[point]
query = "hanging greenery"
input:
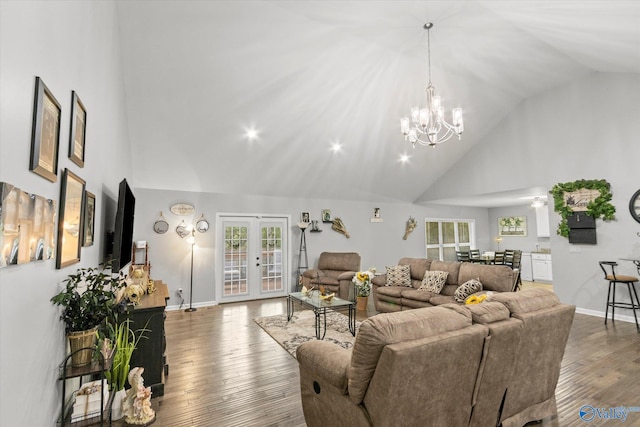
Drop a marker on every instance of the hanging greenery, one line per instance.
(600, 207)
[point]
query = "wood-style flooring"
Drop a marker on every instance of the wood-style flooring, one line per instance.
(226, 371)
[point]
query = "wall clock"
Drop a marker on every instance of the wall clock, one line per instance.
(182, 209)
(634, 206)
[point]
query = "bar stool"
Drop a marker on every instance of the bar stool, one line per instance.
(609, 269)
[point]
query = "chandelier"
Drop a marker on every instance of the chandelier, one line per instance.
(427, 126)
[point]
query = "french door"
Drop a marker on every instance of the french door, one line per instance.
(253, 261)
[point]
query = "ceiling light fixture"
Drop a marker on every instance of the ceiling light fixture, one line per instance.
(426, 124)
(537, 202)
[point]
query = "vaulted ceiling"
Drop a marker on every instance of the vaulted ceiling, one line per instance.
(309, 74)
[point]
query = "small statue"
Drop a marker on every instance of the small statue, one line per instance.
(136, 405)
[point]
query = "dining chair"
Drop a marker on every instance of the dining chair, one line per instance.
(508, 257)
(498, 258)
(474, 255)
(462, 256)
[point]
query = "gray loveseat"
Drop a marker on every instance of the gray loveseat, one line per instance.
(496, 278)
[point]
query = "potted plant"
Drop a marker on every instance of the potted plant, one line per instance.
(362, 281)
(124, 341)
(88, 298)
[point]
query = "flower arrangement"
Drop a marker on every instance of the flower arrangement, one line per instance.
(362, 281)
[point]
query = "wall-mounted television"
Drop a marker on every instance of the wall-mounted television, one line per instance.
(123, 228)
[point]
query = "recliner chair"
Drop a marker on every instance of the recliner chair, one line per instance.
(335, 271)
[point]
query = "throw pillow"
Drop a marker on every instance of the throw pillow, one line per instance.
(399, 275)
(467, 288)
(433, 281)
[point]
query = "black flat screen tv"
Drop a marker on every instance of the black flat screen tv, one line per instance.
(123, 228)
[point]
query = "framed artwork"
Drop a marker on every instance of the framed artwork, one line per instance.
(27, 222)
(88, 227)
(45, 134)
(304, 217)
(512, 226)
(10, 235)
(77, 131)
(70, 222)
(326, 215)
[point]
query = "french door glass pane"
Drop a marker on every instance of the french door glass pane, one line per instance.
(433, 253)
(235, 260)
(463, 233)
(271, 258)
(448, 233)
(449, 253)
(433, 238)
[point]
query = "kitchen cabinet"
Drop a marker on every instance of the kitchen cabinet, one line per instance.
(542, 221)
(541, 267)
(525, 267)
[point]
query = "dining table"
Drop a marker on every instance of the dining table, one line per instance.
(484, 259)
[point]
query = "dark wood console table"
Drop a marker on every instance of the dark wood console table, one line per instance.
(150, 353)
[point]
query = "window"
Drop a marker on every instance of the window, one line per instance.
(446, 236)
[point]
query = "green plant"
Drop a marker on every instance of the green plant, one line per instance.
(600, 207)
(89, 297)
(125, 341)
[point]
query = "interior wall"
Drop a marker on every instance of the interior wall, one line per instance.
(379, 244)
(585, 130)
(524, 243)
(71, 46)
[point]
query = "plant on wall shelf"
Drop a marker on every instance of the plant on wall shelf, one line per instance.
(600, 207)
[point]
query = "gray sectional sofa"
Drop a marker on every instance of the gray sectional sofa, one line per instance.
(494, 363)
(496, 278)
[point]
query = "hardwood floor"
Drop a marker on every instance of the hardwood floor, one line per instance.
(225, 371)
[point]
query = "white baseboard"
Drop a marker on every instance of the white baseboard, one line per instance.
(596, 313)
(196, 305)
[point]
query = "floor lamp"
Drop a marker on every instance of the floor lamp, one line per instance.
(193, 243)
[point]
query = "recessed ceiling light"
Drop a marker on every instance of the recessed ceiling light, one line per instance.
(336, 147)
(251, 133)
(404, 158)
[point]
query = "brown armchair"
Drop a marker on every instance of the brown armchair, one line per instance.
(335, 271)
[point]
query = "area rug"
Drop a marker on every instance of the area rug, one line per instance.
(290, 334)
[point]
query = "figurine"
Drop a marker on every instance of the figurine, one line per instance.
(136, 406)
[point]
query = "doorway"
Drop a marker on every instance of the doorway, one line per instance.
(253, 262)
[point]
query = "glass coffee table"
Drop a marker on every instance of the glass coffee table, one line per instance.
(320, 307)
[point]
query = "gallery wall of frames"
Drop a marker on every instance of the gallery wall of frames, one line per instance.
(28, 229)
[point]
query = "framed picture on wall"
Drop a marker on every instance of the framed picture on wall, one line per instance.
(512, 226)
(305, 217)
(89, 218)
(77, 130)
(70, 220)
(45, 134)
(326, 215)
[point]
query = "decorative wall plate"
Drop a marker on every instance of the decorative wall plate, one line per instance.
(161, 225)
(182, 231)
(202, 225)
(182, 209)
